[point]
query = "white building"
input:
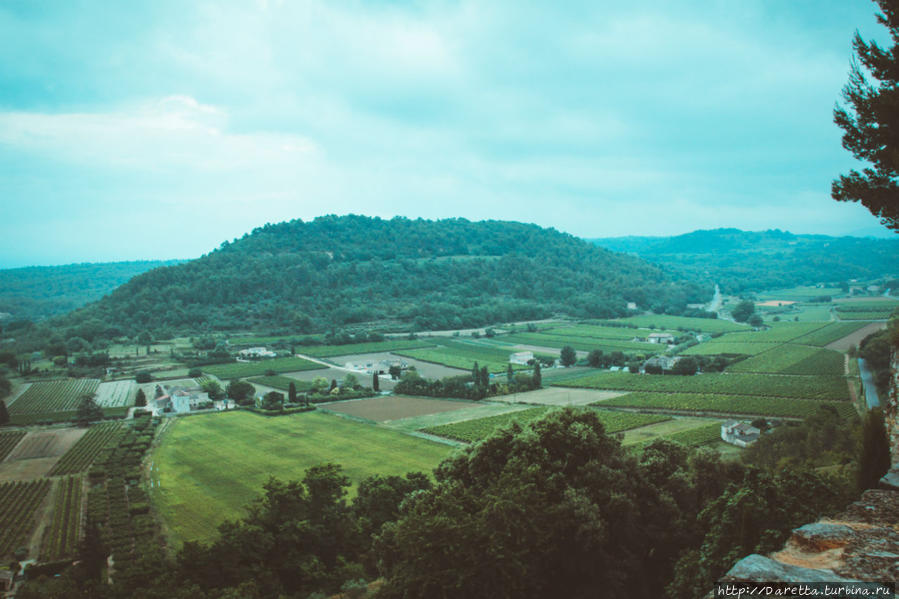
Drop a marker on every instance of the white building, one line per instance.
(522, 357)
(255, 353)
(661, 338)
(741, 434)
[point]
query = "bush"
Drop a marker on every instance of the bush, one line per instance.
(143, 377)
(194, 373)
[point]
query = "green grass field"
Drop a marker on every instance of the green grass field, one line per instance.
(585, 343)
(793, 359)
(281, 382)
(779, 332)
(832, 332)
(798, 294)
(209, 467)
(707, 325)
(236, 370)
(462, 354)
(722, 346)
(326, 351)
(687, 403)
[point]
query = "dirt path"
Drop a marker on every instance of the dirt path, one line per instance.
(855, 338)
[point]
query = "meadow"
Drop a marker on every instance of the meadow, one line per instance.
(665, 322)
(236, 370)
(207, 468)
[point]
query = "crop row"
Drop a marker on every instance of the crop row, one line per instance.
(236, 370)
(866, 315)
(694, 437)
(601, 332)
(53, 396)
(474, 430)
(19, 502)
(326, 351)
(463, 356)
(723, 346)
(80, 456)
(115, 394)
(802, 387)
(832, 332)
(66, 416)
(869, 306)
(780, 332)
(61, 537)
(581, 343)
(708, 325)
(793, 359)
(727, 404)
(281, 382)
(8, 440)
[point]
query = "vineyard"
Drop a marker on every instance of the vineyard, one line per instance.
(832, 332)
(471, 431)
(880, 315)
(582, 342)
(326, 351)
(793, 359)
(780, 332)
(19, 502)
(694, 437)
(683, 323)
(236, 370)
(726, 345)
(115, 394)
(458, 354)
(281, 382)
(53, 396)
(802, 387)
(9, 440)
(61, 536)
(82, 454)
(727, 404)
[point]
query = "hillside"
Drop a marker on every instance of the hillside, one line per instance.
(752, 261)
(338, 271)
(38, 292)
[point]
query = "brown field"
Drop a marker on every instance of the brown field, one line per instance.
(38, 452)
(395, 407)
(775, 303)
(855, 338)
(559, 396)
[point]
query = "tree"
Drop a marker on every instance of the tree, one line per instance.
(568, 357)
(143, 377)
(869, 122)
(375, 382)
(140, 400)
(510, 374)
(595, 358)
(755, 320)
(241, 391)
(213, 389)
(350, 381)
(4, 413)
(88, 410)
(686, 366)
(395, 371)
(292, 392)
(273, 400)
(874, 460)
(743, 310)
(538, 377)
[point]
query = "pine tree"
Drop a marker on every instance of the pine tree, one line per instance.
(140, 400)
(874, 460)
(375, 382)
(538, 376)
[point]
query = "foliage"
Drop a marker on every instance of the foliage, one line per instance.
(743, 310)
(726, 404)
(241, 392)
(61, 536)
(235, 370)
(140, 400)
(88, 411)
(874, 458)
(567, 357)
(54, 396)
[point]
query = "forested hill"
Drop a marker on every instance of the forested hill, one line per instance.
(338, 271)
(37, 292)
(752, 261)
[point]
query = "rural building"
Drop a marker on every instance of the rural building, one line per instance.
(662, 362)
(178, 400)
(631, 305)
(379, 366)
(256, 353)
(522, 357)
(661, 338)
(741, 434)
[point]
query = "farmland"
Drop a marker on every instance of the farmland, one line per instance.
(799, 294)
(81, 455)
(53, 396)
(726, 404)
(207, 468)
(326, 351)
(61, 536)
(281, 382)
(396, 407)
(463, 355)
(793, 359)
(691, 437)
(779, 332)
(722, 346)
(19, 502)
(828, 334)
(236, 370)
(8, 440)
(706, 325)
(116, 394)
(803, 387)
(474, 430)
(582, 342)
(872, 315)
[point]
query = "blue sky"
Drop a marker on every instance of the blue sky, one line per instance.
(133, 130)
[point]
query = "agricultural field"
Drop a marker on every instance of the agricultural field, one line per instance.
(53, 396)
(582, 342)
(779, 407)
(802, 387)
(793, 359)
(8, 440)
(799, 294)
(326, 351)
(237, 370)
(667, 429)
(832, 332)
(82, 454)
(61, 536)
(667, 323)
(281, 382)
(395, 407)
(208, 467)
(698, 436)
(471, 431)
(779, 332)
(463, 355)
(19, 503)
(808, 313)
(857, 315)
(557, 396)
(727, 346)
(116, 394)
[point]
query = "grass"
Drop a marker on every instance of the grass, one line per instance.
(802, 387)
(236, 370)
(706, 325)
(281, 382)
(722, 346)
(475, 412)
(207, 468)
(463, 355)
(326, 351)
(585, 343)
(799, 294)
(726, 404)
(793, 359)
(832, 332)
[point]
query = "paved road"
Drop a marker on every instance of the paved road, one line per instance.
(871, 397)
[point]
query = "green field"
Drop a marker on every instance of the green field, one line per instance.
(832, 332)
(281, 382)
(726, 404)
(802, 387)
(706, 325)
(474, 430)
(207, 468)
(236, 370)
(326, 351)
(779, 332)
(693, 437)
(722, 346)
(585, 343)
(793, 359)
(809, 313)
(883, 315)
(461, 354)
(798, 294)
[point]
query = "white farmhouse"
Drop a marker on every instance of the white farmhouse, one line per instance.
(741, 434)
(256, 353)
(522, 357)
(661, 338)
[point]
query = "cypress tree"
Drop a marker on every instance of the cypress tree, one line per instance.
(4, 414)
(874, 460)
(375, 383)
(140, 400)
(538, 377)
(292, 392)
(509, 373)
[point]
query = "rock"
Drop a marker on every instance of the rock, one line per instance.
(890, 480)
(822, 536)
(758, 568)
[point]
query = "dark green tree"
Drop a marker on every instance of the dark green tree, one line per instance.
(241, 391)
(92, 552)
(756, 320)
(510, 374)
(140, 400)
(742, 311)
(375, 382)
(568, 357)
(874, 459)
(292, 392)
(4, 413)
(538, 376)
(595, 358)
(88, 411)
(395, 371)
(869, 121)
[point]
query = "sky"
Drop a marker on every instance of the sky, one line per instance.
(159, 129)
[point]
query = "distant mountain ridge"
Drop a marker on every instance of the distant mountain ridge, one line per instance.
(39, 292)
(751, 261)
(337, 271)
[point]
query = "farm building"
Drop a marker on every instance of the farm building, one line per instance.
(256, 353)
(631, 305)
(178, 400)
(522, 357)
(661, 338)
(379, 366)
(741, 434)
(661, 363)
